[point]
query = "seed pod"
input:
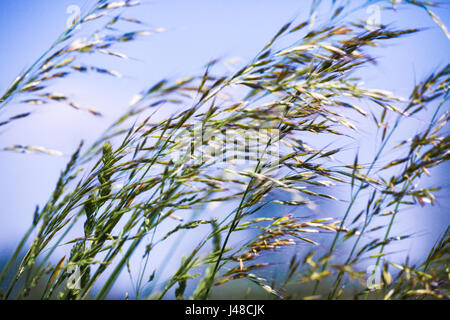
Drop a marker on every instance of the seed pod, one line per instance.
(103, 176)
(106, 190)
(85, 271)
(88, 227)
(107, 157)
(90, 206)
(77, 251)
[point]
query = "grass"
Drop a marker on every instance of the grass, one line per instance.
(240, 142)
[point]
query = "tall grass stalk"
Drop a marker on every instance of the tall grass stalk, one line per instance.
(243, 141)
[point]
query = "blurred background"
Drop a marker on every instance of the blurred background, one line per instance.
(195, 33)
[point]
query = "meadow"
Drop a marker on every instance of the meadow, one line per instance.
(255, 173)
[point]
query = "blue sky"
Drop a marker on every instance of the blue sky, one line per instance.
(196, 32)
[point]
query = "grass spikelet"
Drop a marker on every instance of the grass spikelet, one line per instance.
(239, 142)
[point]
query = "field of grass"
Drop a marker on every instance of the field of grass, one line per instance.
(227, 170)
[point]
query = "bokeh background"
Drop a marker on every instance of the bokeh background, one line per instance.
(196, 32)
